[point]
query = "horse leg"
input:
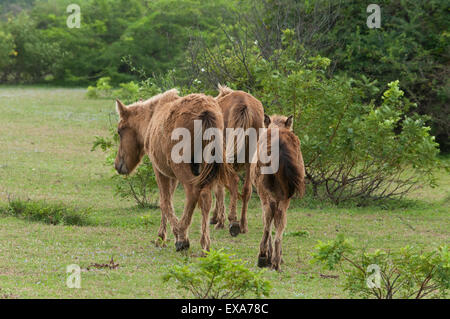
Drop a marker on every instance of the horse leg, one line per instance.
(235, 228)
(265, 247)
(246, 194)
(192, 195)
(269, 249)
(205, 205)
(280, 219)
(213, 220)
(162, 232)
(166, 187)
(218, 217)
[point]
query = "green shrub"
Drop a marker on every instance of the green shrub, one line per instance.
(35, 54)
(7, 51)
(412, 45)
(218, 276)
(103, 89)
(48, 213)
(404, 273)
(92, 92)
(140, 186)
(128, 91)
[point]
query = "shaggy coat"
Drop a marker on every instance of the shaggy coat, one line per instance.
(146, 128)
(276, 190)
(240, 110)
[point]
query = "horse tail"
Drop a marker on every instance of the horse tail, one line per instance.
(290, 177)
(240, 118)
(210, 170)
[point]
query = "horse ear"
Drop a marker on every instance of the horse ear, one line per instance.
(267, 120)
(120, 108)
(289, 121)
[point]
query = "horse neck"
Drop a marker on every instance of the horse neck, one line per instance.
(142, 119)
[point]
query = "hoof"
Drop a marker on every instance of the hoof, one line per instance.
(213, 221)
(235, 229)
(263, 262)
(182, 245)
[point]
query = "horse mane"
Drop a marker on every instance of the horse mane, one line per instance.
(162, 98)
(223, 90)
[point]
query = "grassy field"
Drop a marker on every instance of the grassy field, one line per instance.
(45, 139)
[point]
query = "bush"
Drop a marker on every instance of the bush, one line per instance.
(218, 276)
(128, 91)
(54, 214)
(103, 89)
(140, 186)
(7, 51)
(35, 54)
(411, 45)
(404, 273)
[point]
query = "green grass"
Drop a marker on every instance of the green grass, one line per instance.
(45, 139)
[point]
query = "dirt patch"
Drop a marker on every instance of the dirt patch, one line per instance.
(110, 265)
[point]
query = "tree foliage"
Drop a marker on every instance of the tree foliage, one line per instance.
(152, 34)
(412, 44)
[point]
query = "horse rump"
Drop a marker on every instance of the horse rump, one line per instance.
(209, 172)
(290, 177)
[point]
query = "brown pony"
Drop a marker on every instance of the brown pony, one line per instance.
(276, 190)
(240, 110)
(146, 128)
